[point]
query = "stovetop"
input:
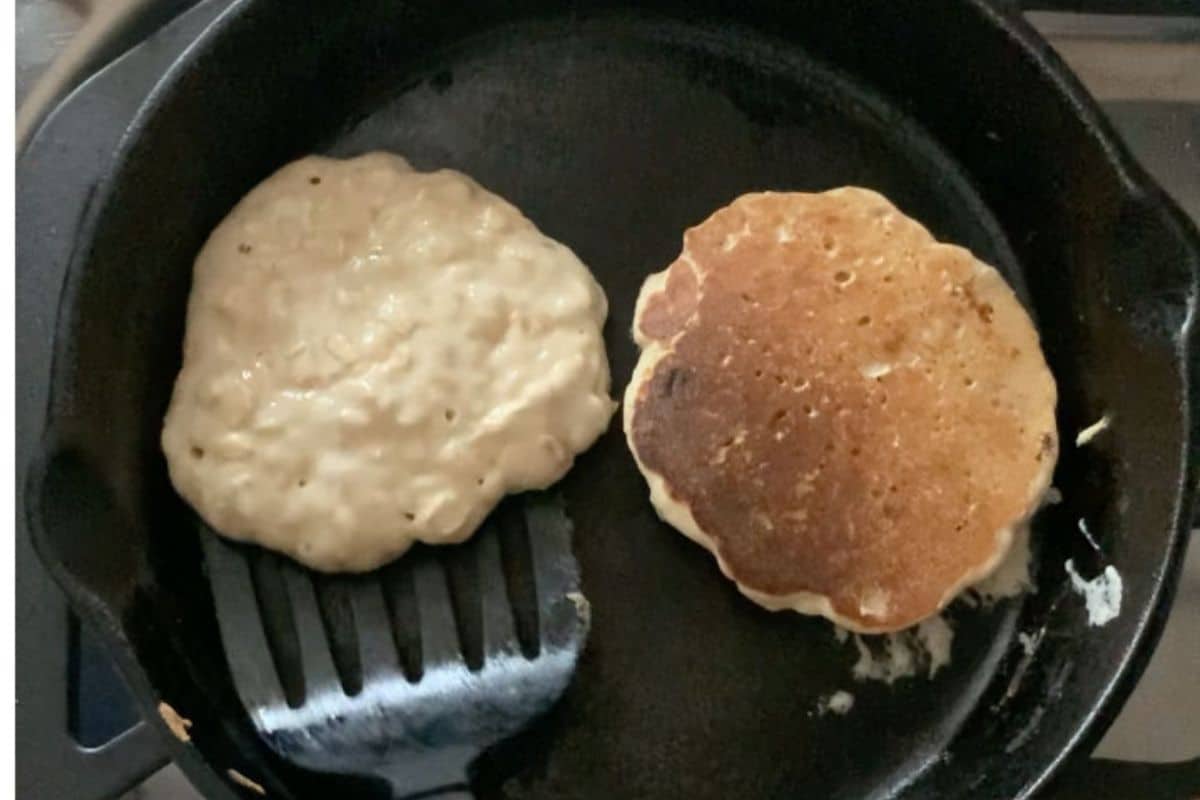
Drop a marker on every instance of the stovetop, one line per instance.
(1144, 70)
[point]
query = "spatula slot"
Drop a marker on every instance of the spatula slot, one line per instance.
(337, 615)
(462, 575)
(516, 557)
(275, 609)
(400, 599)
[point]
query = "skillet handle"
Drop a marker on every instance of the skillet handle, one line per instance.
(58, 165)
(110, 769)
(1155, 219)
(1086, 778)
(51, 763)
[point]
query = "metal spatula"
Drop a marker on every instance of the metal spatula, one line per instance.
(408, 673)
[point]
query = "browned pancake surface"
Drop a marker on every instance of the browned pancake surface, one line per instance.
(847, 407)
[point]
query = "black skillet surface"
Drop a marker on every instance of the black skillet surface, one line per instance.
(615, 130)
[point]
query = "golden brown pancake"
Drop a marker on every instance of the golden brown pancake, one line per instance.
(852, 416)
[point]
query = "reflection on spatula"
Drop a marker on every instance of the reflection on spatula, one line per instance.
(407, 673)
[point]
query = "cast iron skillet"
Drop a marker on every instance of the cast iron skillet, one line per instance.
(615, 129)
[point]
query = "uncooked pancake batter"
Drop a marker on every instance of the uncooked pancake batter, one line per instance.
(375, 356)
